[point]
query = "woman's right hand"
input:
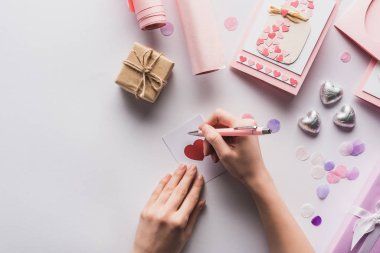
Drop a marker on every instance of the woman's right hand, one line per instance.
(241, 156)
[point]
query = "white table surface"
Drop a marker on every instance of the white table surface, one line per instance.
(79, 157)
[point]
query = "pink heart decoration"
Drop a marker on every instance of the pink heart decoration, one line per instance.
(280, 35)
(265, 52)
(310, 5)
(280, 58)
(267, 70)
(259, 66)
(271, 35)
(276, 42)
(277, 73)
(284, 12)
(250, 62)
(294, 4)
(293, 81)
(268, 42)
(277, 49)
(332, 178)
(259, 42)
(285, 28)
(267, 29)
(284, 78)
(275, 29)
(242, 58)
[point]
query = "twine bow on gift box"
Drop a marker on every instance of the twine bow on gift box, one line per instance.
(147, 76)
(368, 223)
(292, 15)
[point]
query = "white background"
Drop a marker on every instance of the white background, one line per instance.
(79, 157)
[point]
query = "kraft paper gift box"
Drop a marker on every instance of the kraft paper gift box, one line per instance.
(144, 73)
(360, 230)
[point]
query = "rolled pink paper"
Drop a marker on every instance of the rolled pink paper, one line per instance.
(368, 198)
(202, 37)
(150, 14)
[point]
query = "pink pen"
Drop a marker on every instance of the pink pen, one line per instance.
(237, 131)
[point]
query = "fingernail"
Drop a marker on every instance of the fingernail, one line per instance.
(181, 168)
(214, 157)
(202, 204)
(193, 169)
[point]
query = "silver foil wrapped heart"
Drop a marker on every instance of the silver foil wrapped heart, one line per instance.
(311, 123)
(330, 93)
(345, 118)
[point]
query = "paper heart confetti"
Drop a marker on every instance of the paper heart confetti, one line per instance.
(285, 28)
(280, 58)
(345, 118)
(275, 28)
(294, 4)
(259, 66)
(277, 49)
(284, 12)
(330, 93)
(310, 5)
(271, 35)
(276, 73)
(311, 123)
(195, 151)
(265, 52)
(242, 58)
(293, 81)
(259, 42)
(280, 35)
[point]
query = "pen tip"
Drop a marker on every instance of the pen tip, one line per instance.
(267, 131)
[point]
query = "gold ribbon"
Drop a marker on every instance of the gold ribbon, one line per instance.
(155, 81)
(292, 15)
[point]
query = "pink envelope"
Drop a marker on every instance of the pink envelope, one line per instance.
(361, 24)
(363, 95)
(293, 81)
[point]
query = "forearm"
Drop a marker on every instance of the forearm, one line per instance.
(282, 232)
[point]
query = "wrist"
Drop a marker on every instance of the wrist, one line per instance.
(260, 181)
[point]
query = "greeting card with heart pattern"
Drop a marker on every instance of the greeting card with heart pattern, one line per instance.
(188, 149)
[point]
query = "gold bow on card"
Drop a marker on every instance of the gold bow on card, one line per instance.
(292, 15)
(155, 81)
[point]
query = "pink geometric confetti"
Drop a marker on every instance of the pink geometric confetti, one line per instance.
(352, 173)
(167, 29)
(345, 57)
(332, 178)
(231, 23)
(340, 171)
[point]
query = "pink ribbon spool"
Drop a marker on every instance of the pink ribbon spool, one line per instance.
(150, 14)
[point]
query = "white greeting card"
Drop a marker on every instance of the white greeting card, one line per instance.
(288, 44)
(188, 149)
(372, 85)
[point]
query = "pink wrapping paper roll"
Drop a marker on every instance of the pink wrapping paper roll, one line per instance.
(150, 14)
(202, 38)
(368, 199)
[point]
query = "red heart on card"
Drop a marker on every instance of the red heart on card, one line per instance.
(259, 66)
(276, 73)
(280, 57)
(294, 4)
(275, 28)
(277, 49)
(293, 81)
(272, 35)
(284, 12)
(310, 5)
(266, 52)
(285, 28)
(243, 59)
(195, 151)
(259, 42)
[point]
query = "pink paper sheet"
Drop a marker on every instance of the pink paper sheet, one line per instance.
(202, 38)
(150, 14)
(367, 199)
(363, 95)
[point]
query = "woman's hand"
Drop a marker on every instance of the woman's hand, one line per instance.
(241, 156)
(168, 218)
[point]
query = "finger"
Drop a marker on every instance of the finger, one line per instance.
(247, 116)
(247, 122)
(221, 117)
(207, 148)
(194, 217)
(156, 193)
(180, 192)
(173, 182)
(214, 157)
(192, 198)
(216, 140)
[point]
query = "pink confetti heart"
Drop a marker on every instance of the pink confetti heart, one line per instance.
(267, 70)
(293, 82)
(280, 35)
(346, 57)
(259, 42)
(284, 12)
(242, 58)
(277, 49)
(280, 58)
(266, 52)
(267, 29)
(276, 73)
(271, 35)
(294, 4)
(268, 43)
(310, 5)
(259, 66)
(285, 28)
(275, 29)
(264, 36)
(284, 78)
(332, 178)
(340, 171)
(251, 62)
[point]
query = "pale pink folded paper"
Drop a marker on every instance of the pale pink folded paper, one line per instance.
(361, 24)
(362, 94)
(202, 37)
(150, 14)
